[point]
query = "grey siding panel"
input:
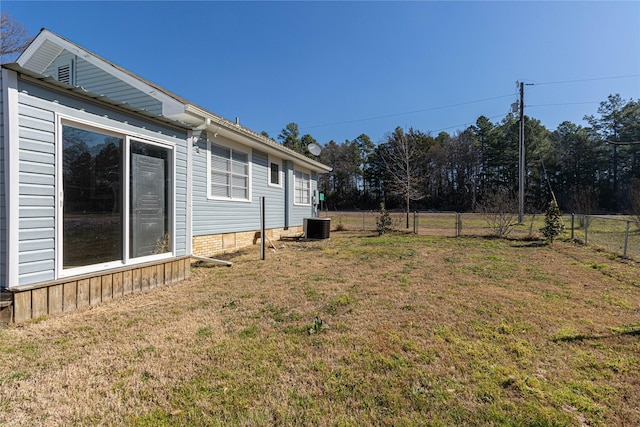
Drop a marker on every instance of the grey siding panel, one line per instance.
(35, 244)
(47, 201)
(32, 256)
(98, 81)
(45, 116)
(35, 134)
(36, 169)
(36, 124)
(47, 159)
(36, 178)
(36, 190)
(36, 233)
(36, 212)
(27, 278)
(44, 267)
(27, 223)
(37, 146)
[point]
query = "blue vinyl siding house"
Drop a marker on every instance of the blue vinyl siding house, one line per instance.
(109, 184)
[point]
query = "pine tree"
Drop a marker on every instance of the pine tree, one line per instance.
(383, 222)
(553, 225)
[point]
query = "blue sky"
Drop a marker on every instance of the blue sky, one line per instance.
(340, 69)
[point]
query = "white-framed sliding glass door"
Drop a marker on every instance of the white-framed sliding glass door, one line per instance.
(115, 198)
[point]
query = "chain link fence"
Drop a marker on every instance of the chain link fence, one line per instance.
(617, 234)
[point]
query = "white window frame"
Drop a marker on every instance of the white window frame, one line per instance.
(233, 147)
(127, 137)
(278, 162)
(303, 172)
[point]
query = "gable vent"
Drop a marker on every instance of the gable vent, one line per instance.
(65, 73)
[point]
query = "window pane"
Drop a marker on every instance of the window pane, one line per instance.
(241, 157)
(219, 190)
(240, 193)
(219, 164)
(240, 181)
(219, 151)
(150, 185)
(92, 184)
(275, 173)
(240, 168)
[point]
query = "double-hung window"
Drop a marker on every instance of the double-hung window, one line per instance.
(117, 197)
(302, 188)
(229, 173)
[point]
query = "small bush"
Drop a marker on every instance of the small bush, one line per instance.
(383, 222)
(341, 227)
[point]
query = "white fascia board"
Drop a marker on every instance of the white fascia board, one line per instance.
(247, 137)
(170, 105)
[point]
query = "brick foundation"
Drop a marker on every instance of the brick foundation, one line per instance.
(213, 244)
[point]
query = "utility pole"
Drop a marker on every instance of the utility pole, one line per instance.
(521, 159)
(521, 162)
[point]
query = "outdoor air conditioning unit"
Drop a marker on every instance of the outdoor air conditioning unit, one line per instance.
(317, 228)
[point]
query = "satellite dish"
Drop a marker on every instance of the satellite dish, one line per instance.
(314, 149)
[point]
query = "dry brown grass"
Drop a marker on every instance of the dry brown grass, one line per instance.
(415, 331)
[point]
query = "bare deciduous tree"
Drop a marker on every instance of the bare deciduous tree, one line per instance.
(402, 160)
(499, 209)
(14, 38)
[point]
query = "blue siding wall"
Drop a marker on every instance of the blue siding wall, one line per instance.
(98, 81)
(3, 205)
(299, 212)
(274, 196)
(215, 216)
(36, 191)
(37, 171)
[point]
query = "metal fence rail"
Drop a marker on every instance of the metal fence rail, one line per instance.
(617, 234)
(612, 233)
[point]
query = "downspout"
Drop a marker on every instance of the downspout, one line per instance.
(287, 197)
(212, 260)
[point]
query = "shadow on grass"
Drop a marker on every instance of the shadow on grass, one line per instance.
(582, 337)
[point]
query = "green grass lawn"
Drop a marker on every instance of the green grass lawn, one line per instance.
(354, 330)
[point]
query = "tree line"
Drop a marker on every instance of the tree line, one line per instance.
(587, 169)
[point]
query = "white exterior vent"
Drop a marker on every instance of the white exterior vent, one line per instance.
(65, 73)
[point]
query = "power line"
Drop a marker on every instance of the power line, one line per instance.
(587, 80)
(566, 103)
(404, 113)
(467, 124)
(384, 116)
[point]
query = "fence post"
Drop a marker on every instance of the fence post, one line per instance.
(458, 224)
(586, 229)
(415, 222)
(626, 240)
(363, 229)
(573, 221)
